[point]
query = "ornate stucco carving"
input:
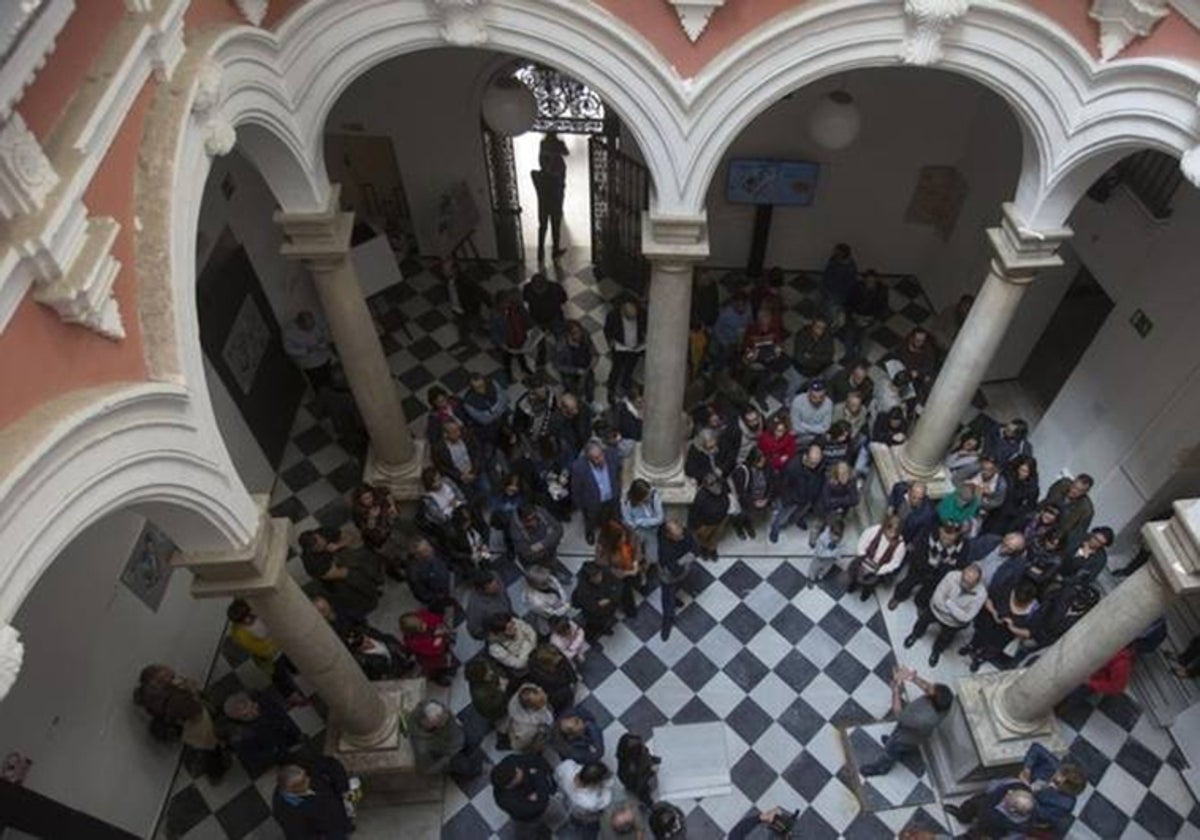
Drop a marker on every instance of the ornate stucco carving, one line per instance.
(26, 174)
(219, 134)
(463, 22)
(694, 15)
(12, 652)
(1123, 20)
(928, 21)
(252, 10)
(1189, 164)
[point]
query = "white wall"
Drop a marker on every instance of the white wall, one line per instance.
(248, 213)
(427, 104)
(1127, 414)
(911, 118)
(86, 638)
(248, 459)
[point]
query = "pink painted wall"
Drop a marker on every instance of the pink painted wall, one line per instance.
(657, 21)
(40, 356)
(203, 13)
(78, 45)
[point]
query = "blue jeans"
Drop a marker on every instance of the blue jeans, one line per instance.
(785, 514)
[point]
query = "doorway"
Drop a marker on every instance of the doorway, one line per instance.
(577, 205)
(1070, 332)
(365, 166)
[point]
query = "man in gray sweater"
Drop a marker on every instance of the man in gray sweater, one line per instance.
(915, 721)
(954, 604)
(812, 413)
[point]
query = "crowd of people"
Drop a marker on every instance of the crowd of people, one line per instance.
(1001, 564)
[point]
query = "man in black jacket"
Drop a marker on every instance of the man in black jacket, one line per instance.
(799, 488)
(676, 553)
(309, 801)
(429, 577)
(351, 578)
(523, 786)
(598, 596)
(625, 331)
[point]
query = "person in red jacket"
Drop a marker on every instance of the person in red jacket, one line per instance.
(1113, 678)
(777, 443)
(426, 636)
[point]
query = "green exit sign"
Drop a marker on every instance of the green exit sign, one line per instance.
(1141, 323)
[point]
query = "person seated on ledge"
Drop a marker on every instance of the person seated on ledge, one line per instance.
(915, 721)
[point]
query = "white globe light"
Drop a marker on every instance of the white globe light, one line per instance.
(509, 107)
(835, 122)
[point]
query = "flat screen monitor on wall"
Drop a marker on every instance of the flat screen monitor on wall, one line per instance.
(784, 182)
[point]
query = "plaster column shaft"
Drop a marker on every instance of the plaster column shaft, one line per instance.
(1018, 254)
(322, 242)
(667, 325)
(963, 371)
(259, 574)
(1121, 617)
(320, 656)
(363, 359)
(673, 244)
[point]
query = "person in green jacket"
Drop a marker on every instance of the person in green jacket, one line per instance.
(960, 507)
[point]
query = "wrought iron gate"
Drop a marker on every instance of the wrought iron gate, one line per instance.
(506, 201)
(620, 192)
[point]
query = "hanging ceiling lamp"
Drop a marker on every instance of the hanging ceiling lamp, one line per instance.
(835, 122)
(509, 107)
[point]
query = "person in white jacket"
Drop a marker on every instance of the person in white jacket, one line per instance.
(587, 788)
(881, 551)
(955, 603)
(544, 597)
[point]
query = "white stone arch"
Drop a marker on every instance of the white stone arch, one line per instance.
(322, 48)
(93, 453)
(1070, 108)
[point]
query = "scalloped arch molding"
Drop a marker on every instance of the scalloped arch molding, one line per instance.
(276, 88)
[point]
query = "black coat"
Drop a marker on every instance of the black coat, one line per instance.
(322, 815)
(587, 595)
(799, 484)
(537, 781)
(708, 508)
(429, 580)
(615, 333)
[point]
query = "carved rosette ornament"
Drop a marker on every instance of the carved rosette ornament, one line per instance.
(219, 134)
(26, 174)
(12, 652)
(928, 21)
(1123, 20)
(463, 22)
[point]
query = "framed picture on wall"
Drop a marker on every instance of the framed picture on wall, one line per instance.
(247, 344)
(148, 569)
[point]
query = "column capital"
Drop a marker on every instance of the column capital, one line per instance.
(1020, 252)
(674, 238)
(1175, 544)
(249, 570)
(318, 238)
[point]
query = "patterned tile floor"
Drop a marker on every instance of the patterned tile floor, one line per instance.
(787, 668)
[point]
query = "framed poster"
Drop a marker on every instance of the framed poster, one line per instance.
(148, 569)
(246, 344)
(781, 182)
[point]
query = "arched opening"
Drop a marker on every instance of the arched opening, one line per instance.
(107, 605)
(1128, 389)
(927, 171)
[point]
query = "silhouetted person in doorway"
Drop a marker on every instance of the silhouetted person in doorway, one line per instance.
(550, 181)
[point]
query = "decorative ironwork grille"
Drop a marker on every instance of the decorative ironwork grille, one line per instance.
(506, 199)
(564, 104)
(620, 192)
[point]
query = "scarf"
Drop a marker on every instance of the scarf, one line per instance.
(869, 560)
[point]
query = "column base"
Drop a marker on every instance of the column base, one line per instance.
(403, 480)
(977, 743)
(673, 485)
(892, 467)
(386, 764)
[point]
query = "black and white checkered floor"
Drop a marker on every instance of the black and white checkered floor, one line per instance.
(786, 668)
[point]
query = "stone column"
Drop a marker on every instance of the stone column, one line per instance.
(322, 242)
(673, 244)
(1018, 254)
(366, 716)
(999, 715)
